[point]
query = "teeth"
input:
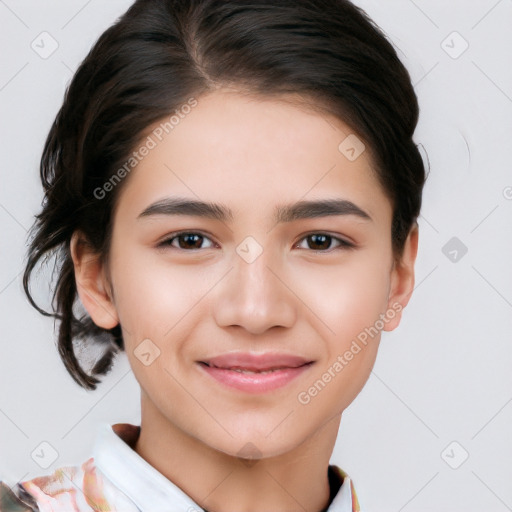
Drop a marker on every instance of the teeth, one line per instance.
(239, 370)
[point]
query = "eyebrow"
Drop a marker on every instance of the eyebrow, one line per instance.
(282, 213)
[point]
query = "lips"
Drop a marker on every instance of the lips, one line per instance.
(254, 373)
(256, 363)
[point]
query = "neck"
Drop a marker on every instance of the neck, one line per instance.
(216, 481)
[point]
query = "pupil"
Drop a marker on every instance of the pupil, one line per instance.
(189, 240)
(323, 238)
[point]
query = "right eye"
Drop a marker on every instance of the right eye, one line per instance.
(186, 240)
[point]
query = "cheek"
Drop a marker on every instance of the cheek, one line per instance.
(347, 297)
(354, 298)
(152, 294)
(335, 386)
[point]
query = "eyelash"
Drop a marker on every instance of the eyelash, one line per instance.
(343, 244)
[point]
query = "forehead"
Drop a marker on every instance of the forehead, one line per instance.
(248, 151)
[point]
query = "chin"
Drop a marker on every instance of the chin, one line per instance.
(250, 446)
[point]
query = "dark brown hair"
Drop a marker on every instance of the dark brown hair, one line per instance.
(162, 52)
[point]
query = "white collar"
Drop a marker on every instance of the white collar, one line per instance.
(151, 491)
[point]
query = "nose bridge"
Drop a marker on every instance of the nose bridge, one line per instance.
(254, 295)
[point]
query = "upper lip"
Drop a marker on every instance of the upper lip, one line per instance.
(256, 362)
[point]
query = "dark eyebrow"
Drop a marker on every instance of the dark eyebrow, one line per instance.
(282, 213)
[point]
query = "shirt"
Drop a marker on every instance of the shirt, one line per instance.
(117, 478)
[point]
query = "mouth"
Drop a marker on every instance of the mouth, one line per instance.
(247, 370)
(255, 373)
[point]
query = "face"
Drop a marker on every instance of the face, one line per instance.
(241, 325)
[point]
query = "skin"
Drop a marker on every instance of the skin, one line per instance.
(250, 154)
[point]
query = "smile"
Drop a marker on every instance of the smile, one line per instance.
(255, 373)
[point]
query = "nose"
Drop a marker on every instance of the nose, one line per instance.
(255, 295)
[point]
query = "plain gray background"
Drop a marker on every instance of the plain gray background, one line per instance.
(431, 431)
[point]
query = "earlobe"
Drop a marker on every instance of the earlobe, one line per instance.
(92, 284)
(402, 280)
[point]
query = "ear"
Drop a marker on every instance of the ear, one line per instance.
(92, 284)
(402, 279)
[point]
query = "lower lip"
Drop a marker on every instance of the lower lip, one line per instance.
(255, 382)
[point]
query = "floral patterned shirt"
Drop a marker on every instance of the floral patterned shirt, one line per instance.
(116, 478)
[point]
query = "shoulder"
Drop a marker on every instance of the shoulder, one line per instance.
(67, 489)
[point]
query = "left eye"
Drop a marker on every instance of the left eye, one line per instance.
(323, 241)
(193, 240)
